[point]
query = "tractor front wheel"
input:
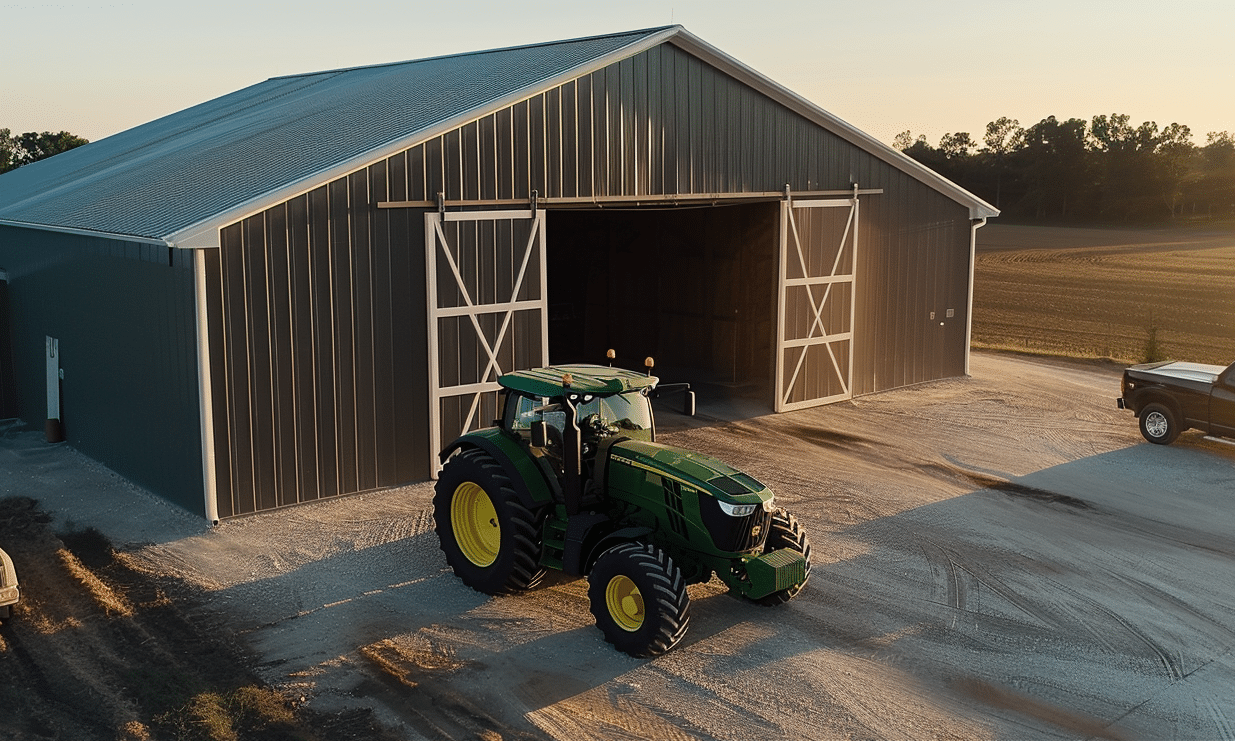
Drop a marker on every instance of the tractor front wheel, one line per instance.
(785, 532)
(490, 539)
(639, 599)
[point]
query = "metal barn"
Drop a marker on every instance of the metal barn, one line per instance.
(302, 289)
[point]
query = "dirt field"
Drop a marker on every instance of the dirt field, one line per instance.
(1101, 292)
(998, 557)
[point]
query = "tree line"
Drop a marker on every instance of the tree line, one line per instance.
(33, 146)
(1101, 170)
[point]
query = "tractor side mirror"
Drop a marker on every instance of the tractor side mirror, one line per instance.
(688, 403)
(540, 434)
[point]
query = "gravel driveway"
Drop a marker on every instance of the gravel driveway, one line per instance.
(994, 557)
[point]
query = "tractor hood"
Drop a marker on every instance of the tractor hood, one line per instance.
(702, 472)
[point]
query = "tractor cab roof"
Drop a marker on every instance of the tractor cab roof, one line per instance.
(597, 380)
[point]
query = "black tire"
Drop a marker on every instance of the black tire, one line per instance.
(498, 550)
(1158, 424)
(785, 532)
(639, 599)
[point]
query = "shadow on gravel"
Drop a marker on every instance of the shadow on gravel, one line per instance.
(1082, 618)
(99, 649)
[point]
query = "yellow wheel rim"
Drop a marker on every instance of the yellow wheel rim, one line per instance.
(474, 521)
(625, 603)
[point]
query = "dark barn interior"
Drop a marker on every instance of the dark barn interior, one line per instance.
(694, 287)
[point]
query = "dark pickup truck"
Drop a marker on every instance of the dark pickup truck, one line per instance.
(1169, 398)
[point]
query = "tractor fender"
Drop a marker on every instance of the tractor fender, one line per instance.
(617, 537)
(525, 476)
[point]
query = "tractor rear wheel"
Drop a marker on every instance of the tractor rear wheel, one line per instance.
(639, 599)
(490, 539)
(785, 532)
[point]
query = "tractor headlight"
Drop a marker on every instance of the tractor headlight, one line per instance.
(734, 528)
(736, 510)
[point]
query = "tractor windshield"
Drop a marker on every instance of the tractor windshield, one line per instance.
(629, 412)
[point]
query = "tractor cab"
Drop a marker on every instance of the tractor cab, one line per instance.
(606, 401)
(549, 407)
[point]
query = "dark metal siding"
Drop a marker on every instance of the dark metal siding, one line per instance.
(659, 123)
(318, 331)
(8, 379)
(317, 348)
(913, 259)
(124, 315)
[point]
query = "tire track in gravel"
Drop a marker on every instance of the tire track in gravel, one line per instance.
(1173, 605)
(1065, 616)
(1226, 730)
(1172, 665)
(382, 530)
(957, 593)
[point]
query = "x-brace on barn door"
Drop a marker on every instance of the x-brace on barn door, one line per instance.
(487, 315)
(814, 357)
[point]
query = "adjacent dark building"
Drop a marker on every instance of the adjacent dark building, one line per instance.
(301, 289)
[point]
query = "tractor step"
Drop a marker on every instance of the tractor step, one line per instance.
(554, 540)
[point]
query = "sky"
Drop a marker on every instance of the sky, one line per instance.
(884, 66)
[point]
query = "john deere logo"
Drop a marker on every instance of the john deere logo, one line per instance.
(754, 531)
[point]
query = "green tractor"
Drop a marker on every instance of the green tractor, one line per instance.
(571, 478)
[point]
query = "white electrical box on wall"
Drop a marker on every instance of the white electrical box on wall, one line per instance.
(54, 430)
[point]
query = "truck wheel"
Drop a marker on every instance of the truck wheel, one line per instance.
(490, 539)
(639, 599)
(785, 532)
(1158, 424)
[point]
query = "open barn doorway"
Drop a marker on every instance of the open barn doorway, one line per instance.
(694, 287)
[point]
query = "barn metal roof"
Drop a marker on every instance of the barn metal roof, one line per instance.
(177, 179)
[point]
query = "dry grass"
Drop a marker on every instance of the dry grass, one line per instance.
(410, 660)
(245, 712)
(1128, 295)
(103, 595)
